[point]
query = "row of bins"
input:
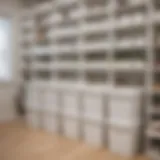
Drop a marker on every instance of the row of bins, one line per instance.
(111, 118)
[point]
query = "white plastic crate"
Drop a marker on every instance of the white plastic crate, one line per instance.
(37, 99)
(71, 104)
(65, 32)
(33, 99)
(28, 24)
(33, 119)
(51, 101)
(43, 7)
(50, 122)
(125, 105)
(93, 106)
(129, 65)
(71, 128)
(96, 27)
(123, 139)
(130, 21)
(93, 134)
(128, 43)
(28, 99)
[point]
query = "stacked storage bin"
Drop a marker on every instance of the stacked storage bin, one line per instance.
(51, 110)
(93, 118)
(66, 35)
(153, 130)
(124, 120)
(33, 103)
(71, 113)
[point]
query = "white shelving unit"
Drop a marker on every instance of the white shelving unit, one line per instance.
(79, 50)
(153, 117)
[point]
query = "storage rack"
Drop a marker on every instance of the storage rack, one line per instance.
(27, 34)
(91, 45)
(26, 41)
(153, 111)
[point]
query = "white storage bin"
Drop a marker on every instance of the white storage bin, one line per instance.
(33, 119)
(129, 65)
(125, 105)
(37, 99)
(28, 100)
(137, 2)
(93, 134)
(28, 24)
(43, 7)
(123, 139)
(71, 127)
(51, 122)
(33, 99)
(71, 104)
(51, 101)
(93, 106)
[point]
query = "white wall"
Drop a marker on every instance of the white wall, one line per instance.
(10, 8)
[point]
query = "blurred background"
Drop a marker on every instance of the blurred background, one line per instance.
(80, 79)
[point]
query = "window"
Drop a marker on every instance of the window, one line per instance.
(5, 50)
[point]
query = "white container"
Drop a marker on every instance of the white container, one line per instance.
(43, 7)
(93, 106)
(32, 99)
(56, 18)
(50, 122)
(28, 24)
(96, 27)
(125, 105)
(33, 119)
(71, 104)
(71, 128)
(137, 2)
(129, 65)
(51, 101)
(29, 37)
(123, 139)
(37, 99)
(93, 134)
(92, 46)
(65, 32)
(27, 100)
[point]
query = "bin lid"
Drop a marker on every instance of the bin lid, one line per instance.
(124, 124)
(126, 91)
